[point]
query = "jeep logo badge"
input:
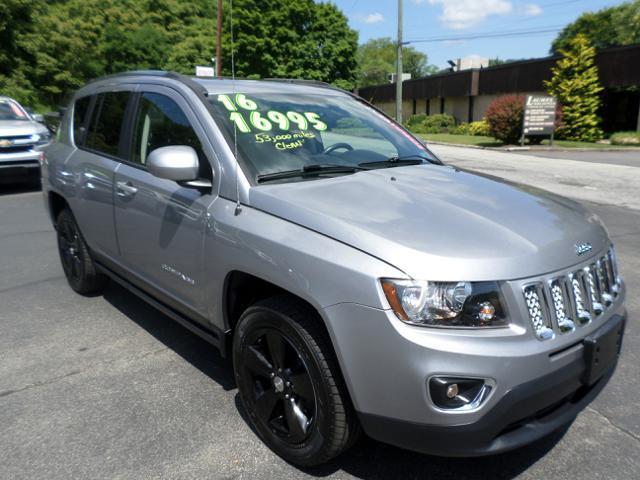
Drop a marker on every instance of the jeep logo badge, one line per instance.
(582, 248)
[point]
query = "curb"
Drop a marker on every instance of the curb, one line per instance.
(529, 149)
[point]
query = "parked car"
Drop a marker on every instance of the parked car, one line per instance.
(358, 282)
(21, 141)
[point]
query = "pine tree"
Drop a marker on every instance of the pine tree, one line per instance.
(576, 85)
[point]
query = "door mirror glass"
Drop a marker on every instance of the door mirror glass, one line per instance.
(178, 163)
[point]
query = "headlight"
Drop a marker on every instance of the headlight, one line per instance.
(41, 138)
(446, 304)
(45, 138)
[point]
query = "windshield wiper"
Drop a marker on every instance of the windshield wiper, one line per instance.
(400, 161)
(310, 170)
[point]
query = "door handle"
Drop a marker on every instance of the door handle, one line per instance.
(125, 189)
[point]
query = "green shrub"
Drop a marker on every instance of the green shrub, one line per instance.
(625, 138)
(440, 123)
(415, 120)
(504, 116)
(479, 129)
(461, 129)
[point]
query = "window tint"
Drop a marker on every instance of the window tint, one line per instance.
(79, 113)
(160, 122)
(108, 116)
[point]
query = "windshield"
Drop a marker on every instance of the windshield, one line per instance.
(10, 110)
(279, 132)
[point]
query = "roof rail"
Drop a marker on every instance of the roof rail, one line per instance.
(299, 81)
(139, 73)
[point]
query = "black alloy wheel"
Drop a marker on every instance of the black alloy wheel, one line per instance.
(69, 248)
(290, 383)
(76, 260)
(281, 388)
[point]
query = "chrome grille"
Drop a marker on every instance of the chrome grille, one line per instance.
(533, 296)
(565, 301)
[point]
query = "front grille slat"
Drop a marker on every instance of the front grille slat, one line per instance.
(538, 313)
(594, 292)
(561, 305)
(571, 300)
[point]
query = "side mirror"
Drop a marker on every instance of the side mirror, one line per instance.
(178, 163)
(38, 117)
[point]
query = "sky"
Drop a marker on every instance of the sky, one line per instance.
(448, 20)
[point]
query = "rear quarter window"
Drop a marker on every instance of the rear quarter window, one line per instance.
(80, 109)
(106, 122)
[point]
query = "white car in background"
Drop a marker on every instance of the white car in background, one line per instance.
(22, 138)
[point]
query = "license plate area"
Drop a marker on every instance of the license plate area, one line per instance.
(601, 349)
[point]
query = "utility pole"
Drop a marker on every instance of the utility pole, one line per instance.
(399, 66)
(219, 41)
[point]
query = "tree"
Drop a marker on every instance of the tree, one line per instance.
(49, 48)
(612, 26)
(291, 39)
(377, 59)
(17, 19)
(576, 85)
(73, 41)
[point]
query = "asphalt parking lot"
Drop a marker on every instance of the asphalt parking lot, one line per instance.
(108, 387)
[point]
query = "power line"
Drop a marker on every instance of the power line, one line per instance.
(476, 36)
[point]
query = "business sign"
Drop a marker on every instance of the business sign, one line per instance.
(205, 71)
(539, 115)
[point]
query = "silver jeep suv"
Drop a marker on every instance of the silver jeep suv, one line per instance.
(21, 140)
(358, 283)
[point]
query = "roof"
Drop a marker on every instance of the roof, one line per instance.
(225, 85)
(301, 87)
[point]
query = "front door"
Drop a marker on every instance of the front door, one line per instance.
(160, 225)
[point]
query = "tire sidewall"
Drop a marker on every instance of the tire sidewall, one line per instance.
(66, 217)
(262, 317)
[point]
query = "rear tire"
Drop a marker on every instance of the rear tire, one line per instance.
(290, 384)
(76, 260)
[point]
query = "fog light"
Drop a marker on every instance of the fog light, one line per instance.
(453, 393)
(452, 390)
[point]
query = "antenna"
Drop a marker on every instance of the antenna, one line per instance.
(235, 129)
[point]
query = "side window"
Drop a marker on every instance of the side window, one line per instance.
(79, 114)
(106, 123)
(160, 122)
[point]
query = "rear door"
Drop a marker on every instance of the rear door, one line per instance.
(89, 172)
(161, 225)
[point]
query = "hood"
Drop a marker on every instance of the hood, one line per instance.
(440, 223)
(14, 128)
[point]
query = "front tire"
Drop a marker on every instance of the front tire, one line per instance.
(290, 384)
(76, 260)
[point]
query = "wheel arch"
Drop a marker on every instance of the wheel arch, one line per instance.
(242, 289)
(57, 203)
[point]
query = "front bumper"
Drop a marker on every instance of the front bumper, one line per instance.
(386, 364)
(19, 166)
(523, 415)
